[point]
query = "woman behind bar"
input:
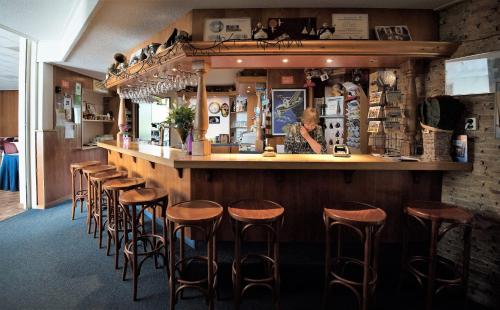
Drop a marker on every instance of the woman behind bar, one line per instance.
(306, 137)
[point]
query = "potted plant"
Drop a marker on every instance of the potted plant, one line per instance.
(181, 117)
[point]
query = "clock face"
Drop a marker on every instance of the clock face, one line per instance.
(214, 107)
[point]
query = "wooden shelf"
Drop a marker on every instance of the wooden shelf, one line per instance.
(97, 121)
(305, 54)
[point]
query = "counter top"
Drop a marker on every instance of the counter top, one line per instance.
(177, 159)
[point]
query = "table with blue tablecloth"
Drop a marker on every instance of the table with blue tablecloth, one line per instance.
(9, 173)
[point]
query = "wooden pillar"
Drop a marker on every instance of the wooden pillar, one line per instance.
(201, 146)
(410, 104)
(122, 120)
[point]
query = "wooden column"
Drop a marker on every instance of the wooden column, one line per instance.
(122, 120)
(201, 146)
(410, 104)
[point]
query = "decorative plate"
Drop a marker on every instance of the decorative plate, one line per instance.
(214, 107)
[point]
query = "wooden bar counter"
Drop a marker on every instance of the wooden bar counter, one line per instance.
(303, 184)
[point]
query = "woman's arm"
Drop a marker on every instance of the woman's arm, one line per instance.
(315, 146)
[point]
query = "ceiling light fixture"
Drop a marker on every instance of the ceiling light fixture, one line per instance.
(174, 69)
(239, 60)
(285, 60)
(329, 60)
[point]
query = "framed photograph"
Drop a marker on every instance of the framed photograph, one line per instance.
(334, 106)
(350, 26)
(220, 29)
(393, 33)
(287, 107)
(214, 119)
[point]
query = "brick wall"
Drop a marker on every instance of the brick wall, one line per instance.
(475, 23)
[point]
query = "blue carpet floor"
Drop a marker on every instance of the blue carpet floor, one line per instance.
(49, 262)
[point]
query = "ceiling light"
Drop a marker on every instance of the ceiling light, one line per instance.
(249, 86)
(329, 60)
(285, 60)
(174, 69)
(239, 60)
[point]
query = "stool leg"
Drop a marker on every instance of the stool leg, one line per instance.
(432, 263)
(366, 267)
(327, 262)
(117, 226)
(89, 204)
(171, 261)
(73, 195)
(99, 193)
(134, 253)
(466, 259)
(210, 281)
(125, 241)
(81, 190)
(277, 282)
(237, 265)
(111, 220)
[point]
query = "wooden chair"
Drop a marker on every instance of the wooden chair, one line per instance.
(114, 223)
(268, 215)
(202, 216)
(365, 221)
(134, 203)
(431, 215)
(79, 195)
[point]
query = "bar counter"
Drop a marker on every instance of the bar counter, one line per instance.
(303, 184)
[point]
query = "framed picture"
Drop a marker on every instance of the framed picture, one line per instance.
(220, 29)
(393, 33)
(350, 26)
(334, 105)
(287, 107)
(214, 119)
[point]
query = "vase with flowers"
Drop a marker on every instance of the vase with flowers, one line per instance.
(181, 118)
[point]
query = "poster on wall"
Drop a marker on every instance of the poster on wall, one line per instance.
(288, 105)
(350, 26)
(393, 33)
(220, 29)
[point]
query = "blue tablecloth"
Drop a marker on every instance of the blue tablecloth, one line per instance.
(9, 173)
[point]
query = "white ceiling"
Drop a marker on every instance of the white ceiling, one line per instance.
(118, 25)
(9, 60)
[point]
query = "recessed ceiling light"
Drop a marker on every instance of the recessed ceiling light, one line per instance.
(329, 60)
(174, 69)
(249, 87)
(285, 60)
(239, 60)
(248, 91)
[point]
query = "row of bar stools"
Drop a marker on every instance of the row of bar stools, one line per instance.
(367, 222)
(79, 195)
(431, 215)
(268, 215)
(203, 216)
(134, 204)
(96, 181)
(114, 223)
(87, 172)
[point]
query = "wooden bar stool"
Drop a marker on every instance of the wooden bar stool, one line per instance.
(268, 215)
(367, 222)
(87, 171)
(96, 181)
(431, 215)
(134, 203)
(79, 195)
(114, 223)
(203, 216)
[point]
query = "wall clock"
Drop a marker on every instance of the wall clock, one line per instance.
(214, 107)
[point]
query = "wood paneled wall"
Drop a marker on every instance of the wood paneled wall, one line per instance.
(55, 153)
(9, 106)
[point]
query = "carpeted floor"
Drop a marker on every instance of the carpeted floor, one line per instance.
(49, 262)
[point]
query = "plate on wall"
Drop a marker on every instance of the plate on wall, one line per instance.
(214, 107)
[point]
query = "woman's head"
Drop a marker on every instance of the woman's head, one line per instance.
(309, 118)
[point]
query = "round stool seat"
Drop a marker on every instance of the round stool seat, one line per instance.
(98, 168)
(107, 175)
(252, 210)
(84, 164)
(439, 211)
(194, 211)
(357, 213)
(142, 196)
(123, 184)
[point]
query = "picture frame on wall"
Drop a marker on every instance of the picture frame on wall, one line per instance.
(393, 33)
(350, 26)
(221, 29)
(287, 107)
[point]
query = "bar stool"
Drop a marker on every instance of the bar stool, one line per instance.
(80, 194)
(134, 203)
(367, 222)
(266, 214)
(87, 171)
(114, 223)
(431, 215)
(96, 181)
(203, 216)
